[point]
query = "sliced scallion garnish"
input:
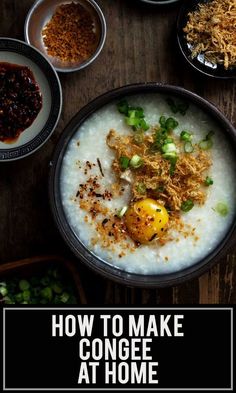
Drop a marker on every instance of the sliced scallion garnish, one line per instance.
(121, 212)
(168, 148)
(208, 181)
(188, 147)
(141, 188)
(187, 205)
(124, 162)
(207, 143)
(136, 162)
(134, 116)
(171, 124)
(138, 137)
(185, 136)
(222, 209)
(172, 157)
(162, 121)
(3, 291)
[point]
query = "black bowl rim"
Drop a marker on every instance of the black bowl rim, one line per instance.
(28, 51)
(186, 7)
(81, 252)
(159, 2)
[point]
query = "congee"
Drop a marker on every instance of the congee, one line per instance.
(147, 184)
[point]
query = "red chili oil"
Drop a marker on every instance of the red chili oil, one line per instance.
(20, 100)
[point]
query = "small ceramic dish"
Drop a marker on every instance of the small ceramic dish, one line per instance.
(41, 13)
(15, 52)
(199, 63)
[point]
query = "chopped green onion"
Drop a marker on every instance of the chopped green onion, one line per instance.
(168, 148)
(64, 297)
(134, 116)
(171, 124)
(8, 300)
(177, 107)
(205, 144)
(160, 138)
(138, 137)
(122, 211)
(143, 125)
(26, 295)
(172, 157)
(19, 297)
(185, 136)
(37, 290)
(188, 147)
(187, 205)
(123, 107)
(162, 121)
(208, 181)
(136, 162)
(46, 293)
(3, 291)
(124, 162)
(141, 188)
(24, 285)
(169, 140)
(222, 209)
(136, 112)
(131, 120)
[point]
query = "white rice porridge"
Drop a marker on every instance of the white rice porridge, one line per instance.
(210, 226)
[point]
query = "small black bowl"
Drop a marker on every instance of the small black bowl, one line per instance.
(159, 2)
(83, 254)
(199, 63)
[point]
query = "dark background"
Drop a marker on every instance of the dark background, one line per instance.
(140, 47)
(199, 359)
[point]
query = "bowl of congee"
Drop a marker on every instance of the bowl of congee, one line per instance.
(142, 185)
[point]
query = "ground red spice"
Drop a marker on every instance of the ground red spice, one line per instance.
(70, 35)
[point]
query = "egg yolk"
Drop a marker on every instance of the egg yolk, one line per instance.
(145, 220)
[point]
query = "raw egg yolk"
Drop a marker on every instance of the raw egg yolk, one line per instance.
(145, 220)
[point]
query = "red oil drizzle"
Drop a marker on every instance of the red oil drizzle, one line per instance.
(20, 100)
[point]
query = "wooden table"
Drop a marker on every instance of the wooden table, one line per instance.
(140, 47)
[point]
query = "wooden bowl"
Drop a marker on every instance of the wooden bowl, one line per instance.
(35, 265)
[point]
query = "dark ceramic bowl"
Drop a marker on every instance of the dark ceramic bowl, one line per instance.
(199, 63)
(83, 254)
(159, 2)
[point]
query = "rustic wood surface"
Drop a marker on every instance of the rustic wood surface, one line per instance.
(140, 47)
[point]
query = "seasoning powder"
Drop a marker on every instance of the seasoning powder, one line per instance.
(70, 34)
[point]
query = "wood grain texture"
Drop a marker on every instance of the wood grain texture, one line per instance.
(140, 47)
